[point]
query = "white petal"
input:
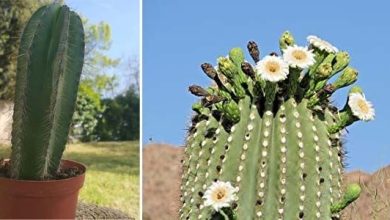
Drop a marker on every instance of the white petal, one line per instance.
(272, 68)
(321, 44)
(303, 62)
(360, 107)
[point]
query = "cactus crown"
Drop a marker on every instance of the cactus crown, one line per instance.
(265, 140)
(50, 61)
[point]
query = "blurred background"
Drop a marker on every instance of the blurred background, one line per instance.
(105, 128)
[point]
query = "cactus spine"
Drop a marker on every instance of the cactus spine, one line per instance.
(50, 62)
(275, 138)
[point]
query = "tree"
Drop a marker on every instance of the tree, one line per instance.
(120, 120)
(13, 16)
(98, 77)
(96, 82)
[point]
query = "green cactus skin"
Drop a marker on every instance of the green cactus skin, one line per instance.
(280, 148)
(50, 62)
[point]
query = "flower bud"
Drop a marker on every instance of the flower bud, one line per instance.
(198, 91)
(323, 71)
(356, 89)
(197, 107)
(348, 77)
(237, 56)
(232, 111)
(286, 40)
(227, 67)
(209, 70)
(254, 51)
(341, 61)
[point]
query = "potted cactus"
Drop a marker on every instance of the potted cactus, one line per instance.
(35, 182)
(265, 140)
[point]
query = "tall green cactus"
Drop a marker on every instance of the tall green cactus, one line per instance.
(50, 61)
(265, 141)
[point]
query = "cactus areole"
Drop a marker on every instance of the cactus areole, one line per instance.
(51, 56)
(265, 139)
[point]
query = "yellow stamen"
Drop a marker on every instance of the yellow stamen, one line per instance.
(273, 67)
(219, 195)
(299, 55)
(363, 106)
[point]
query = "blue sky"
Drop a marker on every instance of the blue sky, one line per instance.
(123, 17)
(180, 35)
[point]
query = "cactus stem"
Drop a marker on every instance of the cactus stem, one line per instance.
(345, 118)
(351, 194)
(270, 92)
(293, 81)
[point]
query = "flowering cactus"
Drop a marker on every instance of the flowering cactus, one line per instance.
(265, 140)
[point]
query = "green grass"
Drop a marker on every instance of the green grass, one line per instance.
(112, 178)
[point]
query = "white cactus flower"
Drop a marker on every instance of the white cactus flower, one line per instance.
(322, 44)
(220, 194)
(272, 68)
(360, 107)
(297, 56)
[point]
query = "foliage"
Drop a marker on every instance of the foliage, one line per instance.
(120, 120)
(98, 77)
(13, 16)
(88, 110)
(96, 81)
(98, 64)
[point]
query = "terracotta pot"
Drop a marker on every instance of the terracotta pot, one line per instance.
(41, 199)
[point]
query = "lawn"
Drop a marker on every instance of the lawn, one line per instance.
(112, 173)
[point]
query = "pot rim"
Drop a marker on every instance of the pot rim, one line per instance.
(80, 165)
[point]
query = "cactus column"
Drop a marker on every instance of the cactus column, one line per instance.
(50, 61)
(272, 133)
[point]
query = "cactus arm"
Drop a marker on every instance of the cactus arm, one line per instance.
(351, 194)
(49, 72)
